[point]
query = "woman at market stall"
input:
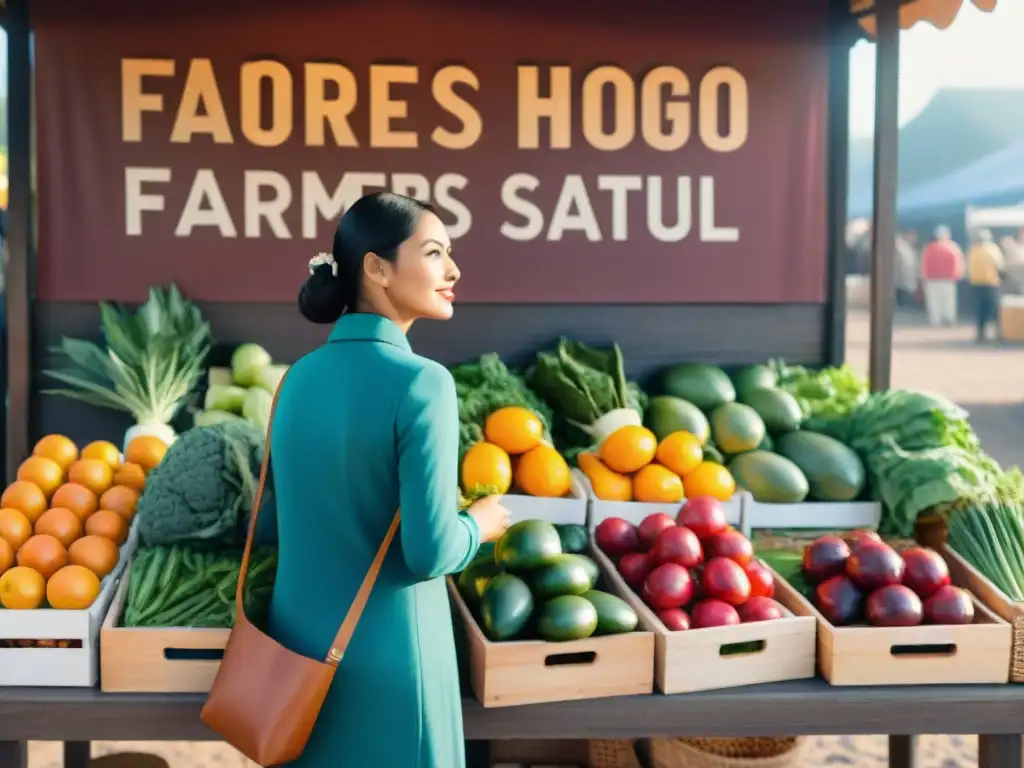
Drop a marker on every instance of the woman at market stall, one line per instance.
(364, 426)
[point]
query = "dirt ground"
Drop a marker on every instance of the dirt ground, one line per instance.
(987, 380)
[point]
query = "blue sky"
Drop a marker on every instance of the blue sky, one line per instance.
(980, 50)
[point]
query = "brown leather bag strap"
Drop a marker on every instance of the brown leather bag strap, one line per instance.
(355, 611)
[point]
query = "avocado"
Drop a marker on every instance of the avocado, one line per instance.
(667, 414)
(614, 616)
(833, 471)
(779, 410)
(736, 428)
(706, 386)
(754, 377)
(770, 478)
(528, 544)
(568, 617)
(573, 537)
(565, 575)
(506, 607)
(474, 579)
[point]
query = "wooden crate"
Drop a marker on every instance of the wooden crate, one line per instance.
(922, 655)
(994, 598)
(78, 664)
(512, 673)
(156, 659)
(700, 659)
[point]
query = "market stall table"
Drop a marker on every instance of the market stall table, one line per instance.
(995, 712)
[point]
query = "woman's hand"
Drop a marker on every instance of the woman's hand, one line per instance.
(491, 517)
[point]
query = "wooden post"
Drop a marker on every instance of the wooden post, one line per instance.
(883, 227)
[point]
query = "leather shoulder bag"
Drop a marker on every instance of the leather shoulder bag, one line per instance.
(266, 699)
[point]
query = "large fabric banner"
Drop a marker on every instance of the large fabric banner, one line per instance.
(636, 153)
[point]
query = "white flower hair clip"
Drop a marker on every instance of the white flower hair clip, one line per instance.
(323, 258)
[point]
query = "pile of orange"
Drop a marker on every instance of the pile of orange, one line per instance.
(65, 517)
(631, 465)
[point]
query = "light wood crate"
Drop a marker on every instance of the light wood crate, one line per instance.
(513, 673)
(698, 659)
(156, 659)
(994, 598)
(922, 655)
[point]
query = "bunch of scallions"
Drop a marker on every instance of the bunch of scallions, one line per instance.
(149, 363)
(989, 534)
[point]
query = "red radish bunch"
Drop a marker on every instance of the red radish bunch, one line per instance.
(860, 579)
(695, 571)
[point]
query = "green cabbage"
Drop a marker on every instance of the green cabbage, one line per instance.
(202, 490)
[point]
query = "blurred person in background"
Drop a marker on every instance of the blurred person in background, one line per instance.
(985, 265)
(942, 267)
(906, 269)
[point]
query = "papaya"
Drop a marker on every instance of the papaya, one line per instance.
(607, 485)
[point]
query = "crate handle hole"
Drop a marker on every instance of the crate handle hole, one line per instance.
(568, 659)
(193, 654)
(929, 649)
(742, 649)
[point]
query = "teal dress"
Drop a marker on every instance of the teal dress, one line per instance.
(365, 426)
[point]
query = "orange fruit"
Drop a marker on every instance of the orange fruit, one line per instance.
(97, 553)
(57, 448)
(72, 588)
(145, 450)
(103, 450)
(709, 479)
(22, 589)
(44, 472)
(628, 448)
(130, 475)
(657, 485)
(543, 472)
(486, 466)
(681, 452)
(109, 524)
(26, 497)
(15, 528)
(44, 554)
(514, 429)
(6, 555)
(61, 523)
(77, 498)
(94, 474)
(122, 500)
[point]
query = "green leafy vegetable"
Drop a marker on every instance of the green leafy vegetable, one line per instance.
(151, 360)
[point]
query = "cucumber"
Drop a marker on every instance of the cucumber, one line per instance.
(614, 615)
(565, 575)
(569, 617)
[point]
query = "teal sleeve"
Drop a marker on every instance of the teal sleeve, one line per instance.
(436, 538)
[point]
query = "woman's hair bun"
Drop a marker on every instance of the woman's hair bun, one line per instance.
(322, 296)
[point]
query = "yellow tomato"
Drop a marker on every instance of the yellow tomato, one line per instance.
(681, 452)
(657, 485)
(628, 448)
(710, 479)
(485, 465)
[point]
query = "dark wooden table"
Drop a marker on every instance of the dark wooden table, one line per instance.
(994, 712)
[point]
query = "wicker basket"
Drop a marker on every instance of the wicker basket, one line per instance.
(700, 752)
(611, 753)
